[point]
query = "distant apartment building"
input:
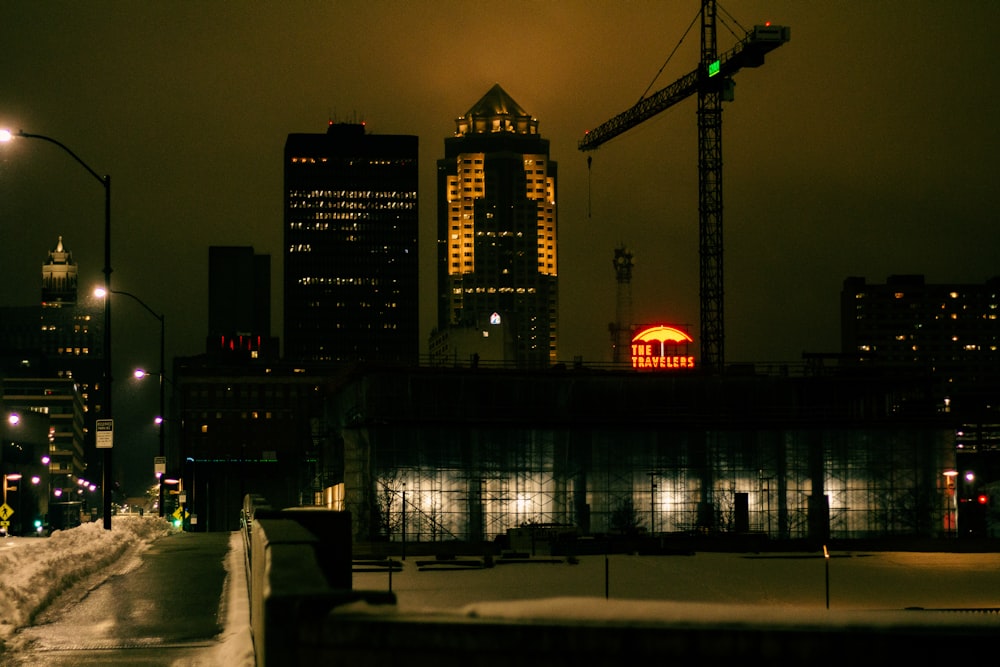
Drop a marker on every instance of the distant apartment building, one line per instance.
(497, 230)
(350, 246)
(57, 400)
(950, 334)
(949, 330)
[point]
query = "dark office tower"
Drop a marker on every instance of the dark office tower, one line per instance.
(239, 303)
(497, 229)
(351, 246)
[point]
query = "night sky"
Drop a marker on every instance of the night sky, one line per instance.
(864, 147)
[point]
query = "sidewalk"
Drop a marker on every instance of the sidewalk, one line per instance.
(173, 603)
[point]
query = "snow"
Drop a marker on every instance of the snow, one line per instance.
(870, 587)
(34, 571)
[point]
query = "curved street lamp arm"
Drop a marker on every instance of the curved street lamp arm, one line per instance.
(140, 302)
(105, 180)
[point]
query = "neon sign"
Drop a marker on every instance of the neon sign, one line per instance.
(661, 348)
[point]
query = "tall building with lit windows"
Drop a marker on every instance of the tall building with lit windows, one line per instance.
(497, 231)
(350, 258)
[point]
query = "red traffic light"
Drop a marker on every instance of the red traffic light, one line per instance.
(982, 499)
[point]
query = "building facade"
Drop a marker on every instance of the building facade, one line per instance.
(45, 445)
(470, 454)
(498, 229)
(239, 304)
(52, 353)
(350, 258)
(246, 427)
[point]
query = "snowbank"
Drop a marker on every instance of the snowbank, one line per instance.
(34, 571)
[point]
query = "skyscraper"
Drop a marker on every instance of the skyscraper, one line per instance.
(497, 229)
(351, 264)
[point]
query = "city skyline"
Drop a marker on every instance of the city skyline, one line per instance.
(862, 147)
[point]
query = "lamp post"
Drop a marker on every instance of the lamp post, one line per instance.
(951, 502)
(105, 181)
(11, 477)
(162, 420)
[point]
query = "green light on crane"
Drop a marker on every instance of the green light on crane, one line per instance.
(713, 68)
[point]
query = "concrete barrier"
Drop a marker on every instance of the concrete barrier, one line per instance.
(304, 611)
(298, 570)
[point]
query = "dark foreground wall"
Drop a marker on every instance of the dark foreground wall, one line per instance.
(345, 638)
(305, 612)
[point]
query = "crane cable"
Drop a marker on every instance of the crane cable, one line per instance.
(589, 159)
(651, 83)
(641, 97)
(670, 57)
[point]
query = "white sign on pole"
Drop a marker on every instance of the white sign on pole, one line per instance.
(105, 433)
(159, 465)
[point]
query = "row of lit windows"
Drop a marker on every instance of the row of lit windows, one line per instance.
(493, 124)
(369, 249)
(354, 194)
(356, 162)
(337, 281)
(925, 298)
(931, 349)
(354, 205)
(351, 222)
(493, 290)
(74, 351)
(363, 216)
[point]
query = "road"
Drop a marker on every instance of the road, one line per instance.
(160, 606)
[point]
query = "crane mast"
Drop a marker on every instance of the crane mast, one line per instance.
(712, 83)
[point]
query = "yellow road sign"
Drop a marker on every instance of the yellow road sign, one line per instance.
(5, 511)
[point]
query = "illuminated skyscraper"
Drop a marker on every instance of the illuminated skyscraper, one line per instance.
(351, 265)
(497, 221)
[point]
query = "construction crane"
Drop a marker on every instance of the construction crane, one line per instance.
(712, 82)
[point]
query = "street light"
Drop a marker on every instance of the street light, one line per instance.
(102, 293)
(7, 135)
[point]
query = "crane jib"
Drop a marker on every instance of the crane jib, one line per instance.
(749, 52)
